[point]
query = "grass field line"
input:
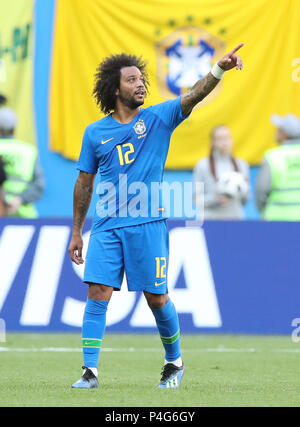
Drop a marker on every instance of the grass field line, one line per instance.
(143, 350)
(130, 349)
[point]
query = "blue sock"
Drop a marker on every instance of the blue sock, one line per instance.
(168, 327)
(93, 328)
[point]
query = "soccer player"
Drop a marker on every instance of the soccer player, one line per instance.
(129, 147)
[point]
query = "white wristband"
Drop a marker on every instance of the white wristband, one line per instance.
(217, 71)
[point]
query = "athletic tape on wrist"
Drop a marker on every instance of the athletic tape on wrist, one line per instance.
(217, 71)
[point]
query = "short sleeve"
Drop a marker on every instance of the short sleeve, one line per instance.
(170, 112)
(88, 161)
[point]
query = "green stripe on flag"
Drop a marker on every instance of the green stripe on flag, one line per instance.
(171, 340)
(91, 342)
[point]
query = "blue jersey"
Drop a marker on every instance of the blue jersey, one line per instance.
(130, 159)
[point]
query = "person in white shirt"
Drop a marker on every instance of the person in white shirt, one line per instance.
(209, 170)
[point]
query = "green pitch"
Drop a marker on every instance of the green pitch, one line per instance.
(38, 369)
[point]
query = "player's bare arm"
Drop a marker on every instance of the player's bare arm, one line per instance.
(198, 92)
(83, 191)
(205, 85)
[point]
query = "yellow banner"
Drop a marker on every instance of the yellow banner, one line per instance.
(181, 40)
(16, 63)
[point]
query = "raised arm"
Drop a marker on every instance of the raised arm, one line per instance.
(81, 201)
(205, 85)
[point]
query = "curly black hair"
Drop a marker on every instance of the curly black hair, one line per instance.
(107, 78)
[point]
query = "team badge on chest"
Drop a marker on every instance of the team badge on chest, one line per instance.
(140, 127)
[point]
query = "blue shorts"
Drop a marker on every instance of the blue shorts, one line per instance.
(142, 251)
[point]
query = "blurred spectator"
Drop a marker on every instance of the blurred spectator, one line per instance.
(25, 182)
(225, 178)
(278, 181)
(2, 100)
(2, 179)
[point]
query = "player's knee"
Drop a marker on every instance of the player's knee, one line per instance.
(99, 292)
(156, 301)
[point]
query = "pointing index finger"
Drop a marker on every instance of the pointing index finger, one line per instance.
(235, 49)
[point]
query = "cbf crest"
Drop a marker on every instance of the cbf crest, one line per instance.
(140, 127)
(185, 56)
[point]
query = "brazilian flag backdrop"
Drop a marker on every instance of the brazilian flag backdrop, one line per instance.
(16, 63)
(180, 39)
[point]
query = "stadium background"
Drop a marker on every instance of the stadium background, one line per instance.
(278, 95)
(240, 262)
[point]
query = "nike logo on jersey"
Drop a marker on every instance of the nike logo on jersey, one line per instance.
(107, 140)
(161, 283)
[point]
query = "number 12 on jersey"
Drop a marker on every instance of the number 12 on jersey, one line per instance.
(124, 152)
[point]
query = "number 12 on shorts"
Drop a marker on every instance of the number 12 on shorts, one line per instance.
(161, 264)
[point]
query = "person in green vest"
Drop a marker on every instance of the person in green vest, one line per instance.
(24, 184)
(278, 181)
